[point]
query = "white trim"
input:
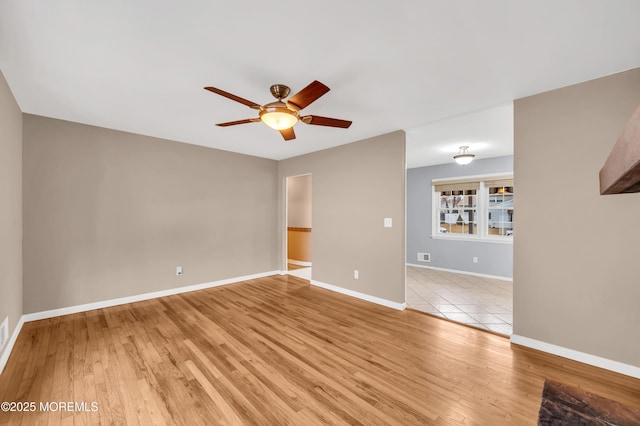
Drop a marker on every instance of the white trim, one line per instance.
(4, 328)
(607, 364)
(362, 296)
(454, 237)
(455, 271)
(9, 347)
(486, 176)
(298, 262)
(139, 297)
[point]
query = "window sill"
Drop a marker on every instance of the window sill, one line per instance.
(496, 240)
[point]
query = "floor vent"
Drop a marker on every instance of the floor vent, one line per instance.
(4, 333)
(424, 257)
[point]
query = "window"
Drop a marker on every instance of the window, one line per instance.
(474, 208)
(459, 212)
(500, 207)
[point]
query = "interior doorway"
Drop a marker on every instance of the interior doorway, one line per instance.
(299, 226)
(460, 220)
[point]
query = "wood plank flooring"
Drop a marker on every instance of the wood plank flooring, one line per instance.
(276, 351)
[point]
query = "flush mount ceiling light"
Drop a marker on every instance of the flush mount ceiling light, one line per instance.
(463, 157)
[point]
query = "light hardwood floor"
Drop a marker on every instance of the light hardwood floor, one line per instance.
(277, 351)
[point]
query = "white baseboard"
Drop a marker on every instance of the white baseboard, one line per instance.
(607, 364)
(626, 369)
(139, 297)
(455, 271)
(9, 347)
(363, 296)
(298, 262)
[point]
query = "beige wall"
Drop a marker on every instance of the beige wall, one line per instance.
(109, 214)
(299, 201)
(355, 187)
(576, 278)
(11, 210)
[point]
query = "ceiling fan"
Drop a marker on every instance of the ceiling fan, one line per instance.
(281, 115)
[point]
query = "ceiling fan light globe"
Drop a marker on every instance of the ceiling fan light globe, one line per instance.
(279, 120)
(277, 116)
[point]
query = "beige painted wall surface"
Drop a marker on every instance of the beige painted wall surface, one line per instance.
(11, 211)
(576, 271)
(299, 201)
(355, 187)
(110, 214)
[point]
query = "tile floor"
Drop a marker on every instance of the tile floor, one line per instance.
(481, 302)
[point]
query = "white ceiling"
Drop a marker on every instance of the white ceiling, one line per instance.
(487, 133)
(141, 66)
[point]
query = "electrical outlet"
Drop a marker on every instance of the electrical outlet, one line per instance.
(178, 270)
(4, 333)
(355, 274)
(475, 260)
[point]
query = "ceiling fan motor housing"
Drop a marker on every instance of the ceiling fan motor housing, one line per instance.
(280, 91)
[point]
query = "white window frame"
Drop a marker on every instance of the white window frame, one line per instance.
(482, 211)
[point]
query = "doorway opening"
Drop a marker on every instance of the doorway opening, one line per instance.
(460, 220)
(299, 226)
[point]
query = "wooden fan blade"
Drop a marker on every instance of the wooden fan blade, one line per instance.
(288, 134)
(325, 121)
(309, 94)
(233, 97)
(233, 123)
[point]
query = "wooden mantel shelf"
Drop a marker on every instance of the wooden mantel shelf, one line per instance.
(621, 172)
